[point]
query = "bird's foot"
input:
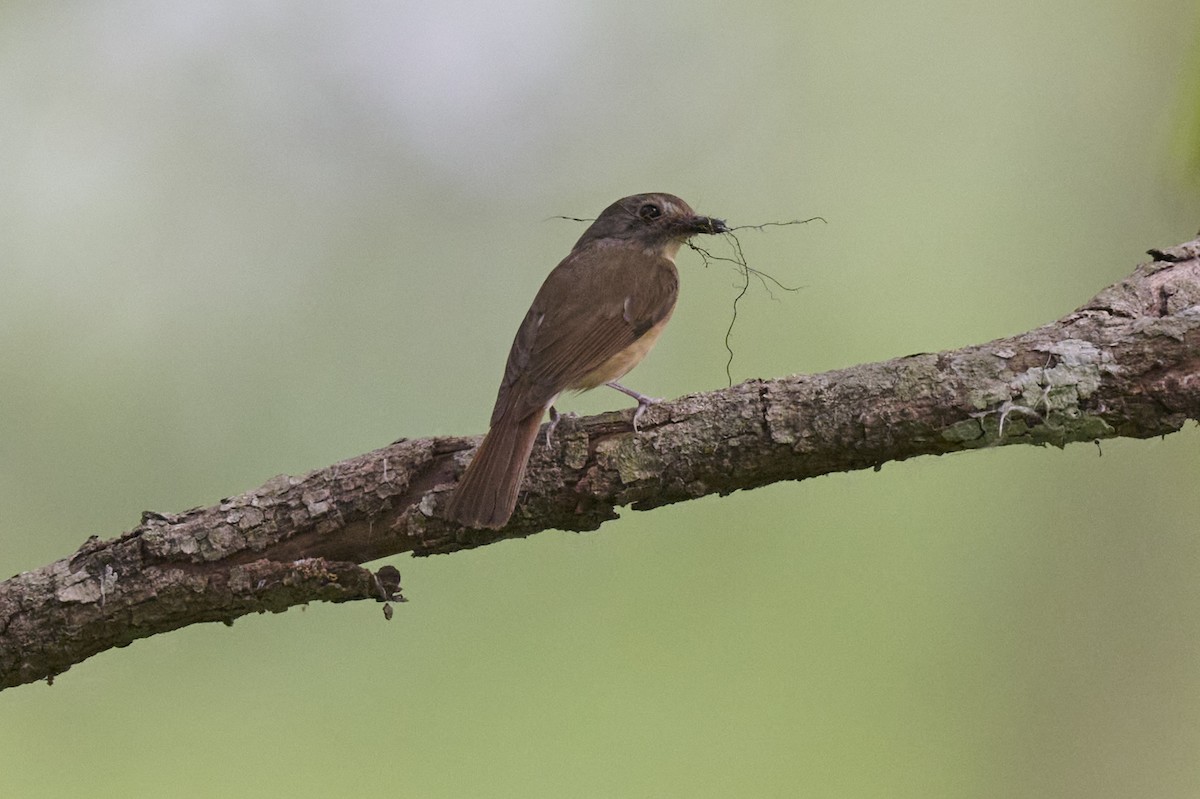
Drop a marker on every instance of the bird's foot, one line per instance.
(554, 417)
(643, 401)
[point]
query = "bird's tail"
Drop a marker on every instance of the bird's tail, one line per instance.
(487, 493)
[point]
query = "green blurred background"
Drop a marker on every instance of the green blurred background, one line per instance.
(243, 239)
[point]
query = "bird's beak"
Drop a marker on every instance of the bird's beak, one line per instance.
(706, 224)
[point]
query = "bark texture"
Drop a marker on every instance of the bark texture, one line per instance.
(1125, 364)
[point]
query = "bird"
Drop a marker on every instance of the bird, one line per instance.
(596, 316)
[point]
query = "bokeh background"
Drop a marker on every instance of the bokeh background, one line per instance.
(243, 239)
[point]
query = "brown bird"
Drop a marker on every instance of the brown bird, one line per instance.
(596, 316)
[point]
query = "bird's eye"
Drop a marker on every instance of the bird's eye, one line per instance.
(649, 211)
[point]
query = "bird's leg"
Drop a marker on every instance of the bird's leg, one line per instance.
(643, 401)
(554, 417)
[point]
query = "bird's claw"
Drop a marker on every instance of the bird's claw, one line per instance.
(643, 401)
(643, 404)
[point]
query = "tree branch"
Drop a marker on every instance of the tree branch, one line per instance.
(1125, 364)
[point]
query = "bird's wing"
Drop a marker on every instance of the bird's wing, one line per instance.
(596, 303)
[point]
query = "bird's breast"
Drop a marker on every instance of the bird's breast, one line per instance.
(619, 365)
